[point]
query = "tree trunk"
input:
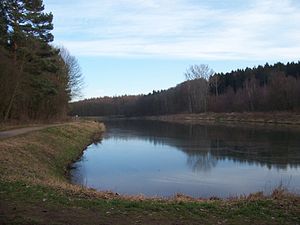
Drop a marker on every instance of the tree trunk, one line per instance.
(216, 84)
(15, 91)
(11, 102)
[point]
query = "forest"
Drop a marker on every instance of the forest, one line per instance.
(260, 89)
(37, 79)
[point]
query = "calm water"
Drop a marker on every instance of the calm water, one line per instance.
(161, 159)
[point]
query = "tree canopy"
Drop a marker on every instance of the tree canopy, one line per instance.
(36, 81)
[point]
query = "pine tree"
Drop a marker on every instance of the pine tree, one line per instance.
(29, 33)
(3, 24)
(39, 24)
(36, 81)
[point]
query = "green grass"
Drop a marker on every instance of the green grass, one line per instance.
(284, 210)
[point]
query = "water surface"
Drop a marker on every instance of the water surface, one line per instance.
(161, 159)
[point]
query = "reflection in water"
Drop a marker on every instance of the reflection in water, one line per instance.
(199, 162)
(158, 158)
(206, 144)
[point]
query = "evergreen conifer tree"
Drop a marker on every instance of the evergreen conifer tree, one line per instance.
(29, 32)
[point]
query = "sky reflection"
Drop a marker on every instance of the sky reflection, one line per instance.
(162, 159)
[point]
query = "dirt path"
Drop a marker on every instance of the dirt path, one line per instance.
(24, 130)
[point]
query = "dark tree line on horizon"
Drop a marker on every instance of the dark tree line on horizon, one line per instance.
(263, 88)
(37, 80)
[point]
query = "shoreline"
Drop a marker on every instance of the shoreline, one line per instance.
(276, 118)
(256, 118)
(33, 179)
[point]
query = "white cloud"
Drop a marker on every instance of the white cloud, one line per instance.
(260, 30)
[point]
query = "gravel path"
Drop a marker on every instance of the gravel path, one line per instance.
(19, 131)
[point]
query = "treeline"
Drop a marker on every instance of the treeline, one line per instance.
(37, 80)
(263, 88)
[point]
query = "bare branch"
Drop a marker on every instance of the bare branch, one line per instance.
(73, 71)
(198, 71)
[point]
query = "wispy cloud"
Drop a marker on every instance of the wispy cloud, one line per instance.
(258, 29)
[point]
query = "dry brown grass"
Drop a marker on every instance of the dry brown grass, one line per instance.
(44, 155)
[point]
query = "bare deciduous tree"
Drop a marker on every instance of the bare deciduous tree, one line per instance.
(198, 71)
(198, 95)
(73, 71)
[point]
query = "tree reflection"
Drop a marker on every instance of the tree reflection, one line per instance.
(201, 162)
(205, 145)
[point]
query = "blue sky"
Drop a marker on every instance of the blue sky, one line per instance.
(136, 46)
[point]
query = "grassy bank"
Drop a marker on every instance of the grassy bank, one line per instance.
(44, 155)
(34, 189)
(38, 204)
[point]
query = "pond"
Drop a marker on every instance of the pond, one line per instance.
(161, 159)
